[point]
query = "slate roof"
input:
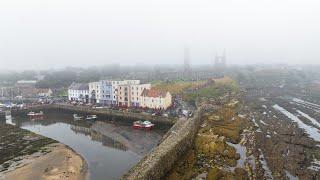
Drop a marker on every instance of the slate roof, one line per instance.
(79, 86)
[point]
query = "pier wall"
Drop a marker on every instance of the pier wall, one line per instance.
(160, 160)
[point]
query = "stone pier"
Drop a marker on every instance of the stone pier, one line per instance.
(160, 160)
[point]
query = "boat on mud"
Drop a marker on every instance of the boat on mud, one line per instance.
(77, 117)
(91, 117)
(142, 125)
(34, 115)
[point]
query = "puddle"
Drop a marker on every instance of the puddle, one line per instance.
(308, 105)
(315, 165)
(313, 132)
(290, 176)
(315, 122)
(305, 102)
(255, 123)
(262, 122)
(267, 171)
(242, 151)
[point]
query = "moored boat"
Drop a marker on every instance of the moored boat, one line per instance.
(77, 117)
(91, 117)
(143, 125)
(34, 114)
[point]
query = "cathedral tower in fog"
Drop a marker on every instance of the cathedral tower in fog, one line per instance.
(187, 68)
(220, 62)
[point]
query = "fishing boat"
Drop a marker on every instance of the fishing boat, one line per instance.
(91, 117)
(77, 117)
(34, 114)
(143, 125)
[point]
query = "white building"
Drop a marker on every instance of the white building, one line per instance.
(78, 92)
(154, 99)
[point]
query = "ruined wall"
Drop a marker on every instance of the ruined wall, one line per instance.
(161, 159)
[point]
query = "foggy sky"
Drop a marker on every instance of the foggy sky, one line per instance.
(57, 33)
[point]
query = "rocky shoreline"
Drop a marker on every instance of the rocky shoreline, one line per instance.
(25, 155)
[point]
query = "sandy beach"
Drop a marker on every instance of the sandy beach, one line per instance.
(60, 163)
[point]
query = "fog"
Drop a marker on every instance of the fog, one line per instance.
(56, 33)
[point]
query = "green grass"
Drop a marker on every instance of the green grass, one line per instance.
(219, 88)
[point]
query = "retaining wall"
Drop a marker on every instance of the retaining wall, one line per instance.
(161, 159)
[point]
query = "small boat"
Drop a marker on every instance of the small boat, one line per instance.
(77, 117)
(91, 117)
(143, 125)
(33, 114)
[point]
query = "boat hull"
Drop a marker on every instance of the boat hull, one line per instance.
(142, 127)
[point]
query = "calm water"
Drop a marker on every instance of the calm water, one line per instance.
(109, 149)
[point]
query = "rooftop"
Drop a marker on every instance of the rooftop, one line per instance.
(79, 86)
(153, 93)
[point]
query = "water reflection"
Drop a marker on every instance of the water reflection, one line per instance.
(109, 149)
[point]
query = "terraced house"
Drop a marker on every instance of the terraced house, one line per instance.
(78, 92)
(115, 88)
(101, 92)
(126, 93)
(129, 95)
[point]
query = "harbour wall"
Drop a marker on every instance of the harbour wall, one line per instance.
(112, 115)
(2, 115)
(161, 159)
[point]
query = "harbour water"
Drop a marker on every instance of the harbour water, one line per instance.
(109, 149)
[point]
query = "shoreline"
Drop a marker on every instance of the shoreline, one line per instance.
(58, 162)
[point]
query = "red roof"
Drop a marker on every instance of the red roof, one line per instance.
(153, 93)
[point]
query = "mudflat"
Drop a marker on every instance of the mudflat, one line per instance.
(60, 162)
